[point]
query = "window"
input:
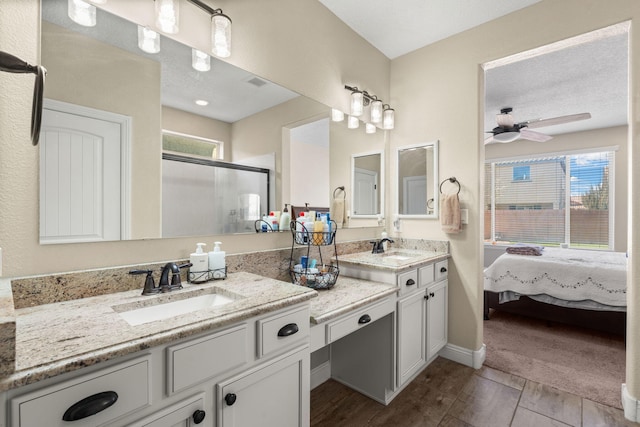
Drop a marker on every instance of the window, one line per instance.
(193, 146)
(551, 200)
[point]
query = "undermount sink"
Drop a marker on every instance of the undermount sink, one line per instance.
(399, 256)
(165, 310)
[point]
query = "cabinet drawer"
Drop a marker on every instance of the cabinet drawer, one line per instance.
(408, 281)
(107, 394)
(282, 330)
(442, 269)
(425, 275)
(197, 360)
(359, 319)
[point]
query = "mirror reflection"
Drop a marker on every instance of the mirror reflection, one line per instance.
(138, 95)
(368, 192)
(417, 180)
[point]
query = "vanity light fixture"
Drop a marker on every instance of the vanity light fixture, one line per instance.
(200, 61)
(380, 113)
(148, 40)
(220, 30)
(337, 115)
(388, 118)
(353, 122)
(168, 15)
(82, 13)
(370, 128)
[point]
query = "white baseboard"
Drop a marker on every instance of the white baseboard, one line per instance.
(465, 356)
(320, 374)
(631, 405)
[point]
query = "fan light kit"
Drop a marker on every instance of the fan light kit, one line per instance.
(508, 130)
(381, 115)
(167, 13)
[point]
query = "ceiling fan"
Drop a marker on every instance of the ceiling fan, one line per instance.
(508, 131)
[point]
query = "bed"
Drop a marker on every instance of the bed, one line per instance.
(579, 287)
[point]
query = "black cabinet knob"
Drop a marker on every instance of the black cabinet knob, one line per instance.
(410, 282)
(230, 398)
(443, 270)
(198, 416)
(365, 318)
(431, 294)
(426, 297)
(288, 329)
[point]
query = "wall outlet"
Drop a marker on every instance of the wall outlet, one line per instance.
(464, 216)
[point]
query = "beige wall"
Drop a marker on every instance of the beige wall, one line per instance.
(609, 137)
(437, 92)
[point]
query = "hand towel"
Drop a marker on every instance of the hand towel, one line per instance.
(337, 211)
(450, 219)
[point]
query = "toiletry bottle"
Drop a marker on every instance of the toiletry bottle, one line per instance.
(285, 219)
(217, 262)
(199, 260)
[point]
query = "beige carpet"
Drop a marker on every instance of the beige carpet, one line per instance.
(587, 363)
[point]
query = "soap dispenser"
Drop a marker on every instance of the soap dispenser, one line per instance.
(217, 263)
(285, 219)
(199, 260)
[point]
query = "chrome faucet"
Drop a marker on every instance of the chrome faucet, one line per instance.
(378, 245)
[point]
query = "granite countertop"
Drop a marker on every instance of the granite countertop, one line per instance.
(393, 260)
(347, 294)
(55, 338)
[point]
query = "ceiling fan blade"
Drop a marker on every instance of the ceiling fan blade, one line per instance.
(538, 123)
(533, 135)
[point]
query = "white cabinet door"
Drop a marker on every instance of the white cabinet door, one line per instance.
(191, 412)
(411, 335)
(275, 394)
(437, 303)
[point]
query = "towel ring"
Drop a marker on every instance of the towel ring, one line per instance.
(340, 188)
(453, 180)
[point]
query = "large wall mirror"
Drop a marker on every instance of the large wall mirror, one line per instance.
(417, 190)
(367, 178)
(102, 69)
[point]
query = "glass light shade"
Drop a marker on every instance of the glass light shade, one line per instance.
(221, 35)
(357, 104)
(353, 122)
(506, 136)
(388, 119)
(337, 115)
(82, 13)
(376, 111)
(167, 15)
(200, 61)
(370, 128)
(148, 40)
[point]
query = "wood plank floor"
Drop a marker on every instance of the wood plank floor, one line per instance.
(447, 394)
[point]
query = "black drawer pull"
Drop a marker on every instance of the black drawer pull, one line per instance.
(230, 398)
(198, 416)
(443, 269)
(365, 318)
(287, 330)
(410, 282)
(90, 406)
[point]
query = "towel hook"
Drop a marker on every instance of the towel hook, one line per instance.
(340, 188)
(453, 180)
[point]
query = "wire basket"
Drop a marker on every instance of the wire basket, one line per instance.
(303, 236)
(205, 276)
(323, 279)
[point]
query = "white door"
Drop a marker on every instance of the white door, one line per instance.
(80, 178)
(415, 195)
(365, 192)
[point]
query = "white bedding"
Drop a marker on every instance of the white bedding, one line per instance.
(564, 274)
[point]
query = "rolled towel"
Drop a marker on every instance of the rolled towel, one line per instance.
(525, 249)
(450, 219)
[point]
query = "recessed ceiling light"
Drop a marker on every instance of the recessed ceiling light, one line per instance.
(202, 102)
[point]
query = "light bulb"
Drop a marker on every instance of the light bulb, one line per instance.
(168, 15)
(357, 103)
(148, 40)
(221, 35)
(82, 13)
(376, 111)
(388, 119)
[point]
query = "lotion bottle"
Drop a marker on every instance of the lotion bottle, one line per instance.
(285, 219)
(217, 262)
(199, 260)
